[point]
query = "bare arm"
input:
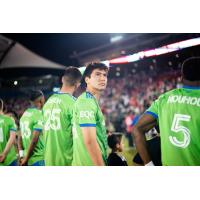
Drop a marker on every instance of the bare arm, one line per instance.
(145, 123)
(89, 137)
(9, 144)
(31, 147)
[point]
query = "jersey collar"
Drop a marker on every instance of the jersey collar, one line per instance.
(191, 87)
(66, 93)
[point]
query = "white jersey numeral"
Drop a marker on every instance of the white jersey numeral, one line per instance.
(52, 120)
(177, 128)
(25, 130)
(1, 134)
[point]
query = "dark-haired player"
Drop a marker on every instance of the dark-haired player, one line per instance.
(30, 140)
(89, 132)
(178, 115)
(57, 114)
(7, 139)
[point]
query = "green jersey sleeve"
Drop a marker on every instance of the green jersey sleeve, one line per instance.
(153, 109)
(86, 112)
(12, 125)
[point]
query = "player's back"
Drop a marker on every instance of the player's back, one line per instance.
(57, 115)
(32, 120)
(179, 121)
(7, 124)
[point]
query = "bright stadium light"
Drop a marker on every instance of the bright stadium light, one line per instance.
(106, 62)
(116, 38)
(82, 69)
(56, 89)
(15, 82)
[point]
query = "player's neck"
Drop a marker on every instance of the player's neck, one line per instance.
(69, 90)
(191, 83)
(94, 92)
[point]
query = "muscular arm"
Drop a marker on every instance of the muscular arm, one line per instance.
(9, 144)
(89, 137)
(145, 123)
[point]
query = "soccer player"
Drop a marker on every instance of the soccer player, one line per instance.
(30, 140)
(7, 139)
(57, 114)
(89, 132)
(177, 113)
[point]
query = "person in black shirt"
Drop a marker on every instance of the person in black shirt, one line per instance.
(115, 143)
(153, 146)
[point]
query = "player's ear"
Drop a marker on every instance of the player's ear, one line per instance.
(86, 79)
(63, 80)
(117, 146)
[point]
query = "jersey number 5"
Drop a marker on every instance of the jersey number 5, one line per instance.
(177, 128)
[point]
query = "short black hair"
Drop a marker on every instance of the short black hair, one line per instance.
(34, 94)
(191, 69)
(72, 75)
(90, 68)
(114, 139)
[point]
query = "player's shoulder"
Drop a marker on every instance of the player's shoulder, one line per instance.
(86, 97)
(6, 117)
(85, 100)
(169, 93)
(60, 97)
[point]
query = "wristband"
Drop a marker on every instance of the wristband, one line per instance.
(150, 164)
(21, 153)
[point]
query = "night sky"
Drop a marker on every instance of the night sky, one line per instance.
(58, 47)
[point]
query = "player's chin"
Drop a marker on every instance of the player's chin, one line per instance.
(102, 88)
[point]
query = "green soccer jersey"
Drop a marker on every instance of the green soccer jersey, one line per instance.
(178, 113)
(32, 120)
(57, 114)
(7, 126)
(87, 113)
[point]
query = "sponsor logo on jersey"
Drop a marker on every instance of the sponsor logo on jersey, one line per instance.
(184, 99)
(87, 114)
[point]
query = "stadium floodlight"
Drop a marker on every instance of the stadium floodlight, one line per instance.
(119, 60)
(82, 69)
(106, 62)
(149, 53)
(134, 57)
(173, 47)
(56, 89)
(116, 38)
(189, 43)
(15, 82)
(161, 50)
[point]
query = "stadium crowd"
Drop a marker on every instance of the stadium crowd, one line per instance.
(123, 96)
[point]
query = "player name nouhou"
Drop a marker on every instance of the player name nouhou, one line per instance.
(184, 99)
